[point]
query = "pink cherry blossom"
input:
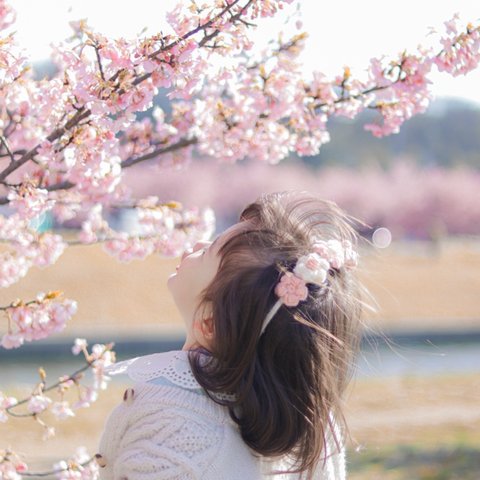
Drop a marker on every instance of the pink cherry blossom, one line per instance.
(80, 345)
(94, 225)
(66, 381)
(12, 340)
(10, 468)
(12, 60)
(62, 410)
(90, 471)
(101, 359)
(29, 201)
(126, 248)
(38, 403)
(461, 49)
(12, 268)
(37, 319)
(88, 396)
(7, 15)
(5, 402)
(48, 249)
(408, 93)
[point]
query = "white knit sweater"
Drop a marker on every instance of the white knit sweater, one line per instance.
(166, 427)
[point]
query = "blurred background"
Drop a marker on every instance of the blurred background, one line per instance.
(414, 402)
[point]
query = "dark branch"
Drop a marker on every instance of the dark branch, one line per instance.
(53, 472)
(99, 60)
(66, 185)
(5, 144)
(79, 115)
(74, 376)
(180, 144)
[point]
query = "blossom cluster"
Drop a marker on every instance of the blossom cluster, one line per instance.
(12, 60)
(11, 465)
(163, 228)
(79, 466)
(27, 247)
(460, 48)
(100, 357)
(408, 93)
(37, 319)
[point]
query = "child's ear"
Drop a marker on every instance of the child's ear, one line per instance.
(207, 328)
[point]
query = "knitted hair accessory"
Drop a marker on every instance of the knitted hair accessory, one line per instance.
(311, 268)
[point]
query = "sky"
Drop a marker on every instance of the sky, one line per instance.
(340, 33)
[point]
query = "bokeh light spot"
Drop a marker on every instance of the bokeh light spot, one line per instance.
(382, 237)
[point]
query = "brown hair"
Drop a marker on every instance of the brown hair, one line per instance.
(288, 382)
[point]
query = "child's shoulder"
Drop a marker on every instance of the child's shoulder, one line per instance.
(165, 377)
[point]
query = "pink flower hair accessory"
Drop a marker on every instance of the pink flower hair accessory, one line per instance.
(338, 254)
(291, 289)
(311, 268)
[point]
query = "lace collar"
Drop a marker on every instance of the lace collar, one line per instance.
(173, 365)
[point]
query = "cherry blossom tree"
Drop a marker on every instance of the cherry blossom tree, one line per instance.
(65, 143)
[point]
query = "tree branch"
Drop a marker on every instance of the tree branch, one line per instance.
(201, 27)
(184, 142)
(16, 152)
(79, 115)
(99, 60)
(5, 144)
(73, 377)
(67, 185)
(53, 472)
(358, 95)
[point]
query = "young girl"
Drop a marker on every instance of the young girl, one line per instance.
(272, 313)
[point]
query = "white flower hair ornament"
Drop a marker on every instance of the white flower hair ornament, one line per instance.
(311, 268)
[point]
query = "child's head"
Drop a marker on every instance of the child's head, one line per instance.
(289, 379)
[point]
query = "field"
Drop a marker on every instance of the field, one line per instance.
(401, 427)
(417, 286)
(415, 428)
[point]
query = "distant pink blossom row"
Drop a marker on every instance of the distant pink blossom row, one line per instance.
(410, 200)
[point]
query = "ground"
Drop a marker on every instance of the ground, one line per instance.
(400, 428)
